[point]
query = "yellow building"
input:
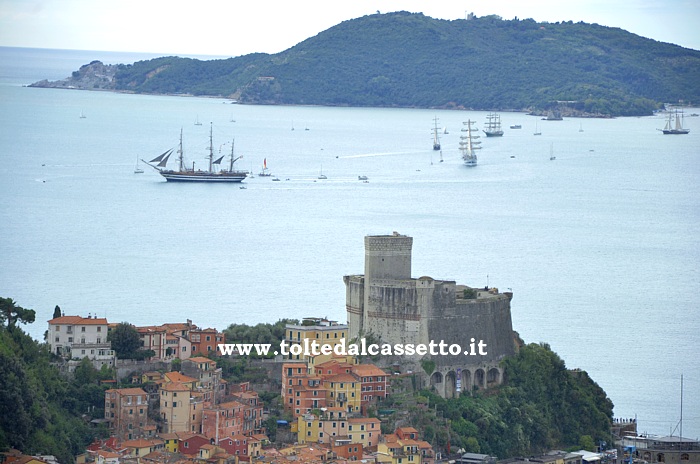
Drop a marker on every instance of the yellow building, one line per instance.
(344, 391)
(401, 447)
(364, 430)
(175, 407)
(314, 429)
(321, 331)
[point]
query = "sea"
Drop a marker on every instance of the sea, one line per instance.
(600, 245)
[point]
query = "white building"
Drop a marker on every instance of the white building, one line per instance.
(77, 337)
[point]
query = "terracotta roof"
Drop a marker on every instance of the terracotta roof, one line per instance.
(107, 454)
(367, 370)
(78, 320)
(363, 420)
(174, 386)
(178, 377)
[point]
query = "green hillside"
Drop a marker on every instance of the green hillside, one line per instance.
(411, 60)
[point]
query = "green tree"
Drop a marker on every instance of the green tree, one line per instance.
(11, 313)
(56, 312)
(125, 340)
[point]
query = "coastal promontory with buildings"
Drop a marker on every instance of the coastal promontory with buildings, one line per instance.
(172, 392)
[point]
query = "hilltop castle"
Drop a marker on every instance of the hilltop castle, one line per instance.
(396, 308)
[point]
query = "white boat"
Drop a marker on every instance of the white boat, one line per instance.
(196, 121)
(516, 126)
(362, 178)
(82, 115)
(436, 137)
(551, 152)
(580, 127)
(468, 143)
(137, 169)
(321, 174)
(493, 125)
(674, 123)
(537, 132)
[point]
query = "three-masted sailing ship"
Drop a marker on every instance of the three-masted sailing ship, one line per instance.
(436, 137)
(493, 125)
(674, 123)
(186, 174)
(468, 143)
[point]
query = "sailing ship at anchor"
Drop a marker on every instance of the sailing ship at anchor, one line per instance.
(674, 123)
(436, 138)
(493, 125)
(467, 144)
(186, 174)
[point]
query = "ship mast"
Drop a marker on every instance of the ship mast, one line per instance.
(230, 169)
(211, 147)
(181, 157)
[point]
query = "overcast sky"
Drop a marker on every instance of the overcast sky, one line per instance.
(235, 27)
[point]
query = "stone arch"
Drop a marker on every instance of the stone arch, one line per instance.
(493, 377)
(466, 380)
(480, 378)
(660, 457)
(436, 382)
(436, 378)
(450, 385)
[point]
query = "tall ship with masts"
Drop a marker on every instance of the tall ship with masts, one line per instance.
(468, 144)
(436, 137)
(674, 123)
(186, 174)
(493, 125)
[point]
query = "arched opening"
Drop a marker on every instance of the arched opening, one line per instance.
(450, 384)
(480, 378)
(435, 379)
(466, 381)
(660, 457)
(493, 377)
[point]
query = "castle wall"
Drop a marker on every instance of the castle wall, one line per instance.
(354, 304)
(484, 319)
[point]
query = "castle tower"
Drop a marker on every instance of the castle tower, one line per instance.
(387, 257)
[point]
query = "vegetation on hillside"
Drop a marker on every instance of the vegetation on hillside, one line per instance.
(42, 412)
(411, 60)
(541, 406)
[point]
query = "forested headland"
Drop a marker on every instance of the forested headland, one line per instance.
(410, 60)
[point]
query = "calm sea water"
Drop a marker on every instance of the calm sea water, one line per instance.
(599, 246)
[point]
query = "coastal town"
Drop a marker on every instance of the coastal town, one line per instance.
(172, 392)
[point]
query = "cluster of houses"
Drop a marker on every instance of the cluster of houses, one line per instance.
(196, 415)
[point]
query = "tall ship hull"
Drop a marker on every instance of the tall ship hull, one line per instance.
(204, 176)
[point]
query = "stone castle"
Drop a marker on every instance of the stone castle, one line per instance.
(396, 308)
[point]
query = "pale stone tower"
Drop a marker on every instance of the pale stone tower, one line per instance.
(387, 257)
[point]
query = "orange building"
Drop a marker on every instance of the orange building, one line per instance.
(204, 341)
